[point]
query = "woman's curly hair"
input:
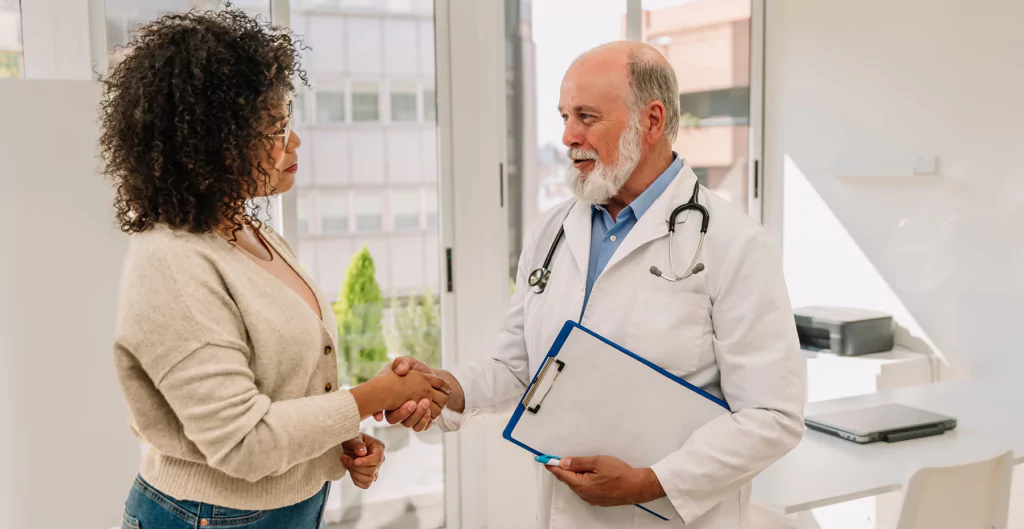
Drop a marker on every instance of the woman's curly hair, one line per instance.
(184, 114)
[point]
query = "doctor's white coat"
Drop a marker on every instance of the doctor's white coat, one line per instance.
(729, 330)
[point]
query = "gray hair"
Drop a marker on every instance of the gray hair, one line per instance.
(654, 80)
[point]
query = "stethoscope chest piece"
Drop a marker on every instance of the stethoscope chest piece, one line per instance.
(539, 279)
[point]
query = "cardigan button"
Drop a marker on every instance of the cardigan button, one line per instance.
(327, 350)
(328, 386)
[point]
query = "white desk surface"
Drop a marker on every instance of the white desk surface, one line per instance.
(824, 470)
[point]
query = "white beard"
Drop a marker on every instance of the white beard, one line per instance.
(605, 181)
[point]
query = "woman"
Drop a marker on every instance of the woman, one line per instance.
(224, 348)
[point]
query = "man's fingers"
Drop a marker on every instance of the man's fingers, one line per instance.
(401, 414)
(379, 416)
(441, 385)
(579, 465)
(423, 424)
(401, 366)
(565, 476)
(422, 409)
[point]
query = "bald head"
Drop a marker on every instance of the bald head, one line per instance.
(641, 74)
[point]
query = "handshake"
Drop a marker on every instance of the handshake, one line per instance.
(409, 392)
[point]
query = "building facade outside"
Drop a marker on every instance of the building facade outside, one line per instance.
(12, 62)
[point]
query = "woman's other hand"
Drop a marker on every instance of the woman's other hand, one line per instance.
(363, 458)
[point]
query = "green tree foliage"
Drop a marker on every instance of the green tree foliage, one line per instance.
(359, 311)
(418, 328)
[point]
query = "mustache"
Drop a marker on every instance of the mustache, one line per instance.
(580, 154)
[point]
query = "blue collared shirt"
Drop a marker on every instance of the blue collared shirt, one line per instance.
(606, 234)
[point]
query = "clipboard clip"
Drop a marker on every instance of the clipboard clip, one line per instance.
(542, 381)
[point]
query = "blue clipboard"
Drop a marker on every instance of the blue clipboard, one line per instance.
(587, 345)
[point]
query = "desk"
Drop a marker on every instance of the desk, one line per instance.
(824, 470)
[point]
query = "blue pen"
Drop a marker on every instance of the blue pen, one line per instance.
(548, 460)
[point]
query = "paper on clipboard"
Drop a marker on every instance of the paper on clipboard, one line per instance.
(593, 397)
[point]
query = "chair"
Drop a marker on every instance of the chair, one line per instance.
(971, 496)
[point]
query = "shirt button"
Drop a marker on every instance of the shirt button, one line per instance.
(327, 350)
(328, 387)
(612, 238)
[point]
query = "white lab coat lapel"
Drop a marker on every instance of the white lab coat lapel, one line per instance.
(653, 224)
(577, 235)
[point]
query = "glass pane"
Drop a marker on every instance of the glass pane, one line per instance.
(431, 207)
(300, 107)
(405, 206)
(305, 209)
(365, 102)
(708, 44)
(355, 187)
(333, 212)
(330, 107)
(540, 46)
(12, 62)
(125, 17)
(429, 106)
(403, 103)
(368, 212)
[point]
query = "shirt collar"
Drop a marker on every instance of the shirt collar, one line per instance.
(642, 203)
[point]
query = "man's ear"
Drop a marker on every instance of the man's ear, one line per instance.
(654, 114)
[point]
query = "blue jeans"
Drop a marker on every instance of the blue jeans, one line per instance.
(148, 508)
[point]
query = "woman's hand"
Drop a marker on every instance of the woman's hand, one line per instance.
(363, 457)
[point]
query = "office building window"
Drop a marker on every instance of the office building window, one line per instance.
(305, 209)
(11, 55)
(403, 103)
(368, 212)
(300, 106)
(430, 202)
(727, 106)
(333, 209)
(405, 206)
(365, 102)
(125, 17)
(330, 106)
(429, 106)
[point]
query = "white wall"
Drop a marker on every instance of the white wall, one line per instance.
(855, 92)
(68, 457)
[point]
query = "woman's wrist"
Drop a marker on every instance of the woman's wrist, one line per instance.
(369, 397)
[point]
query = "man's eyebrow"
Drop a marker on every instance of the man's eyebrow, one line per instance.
(580, 108)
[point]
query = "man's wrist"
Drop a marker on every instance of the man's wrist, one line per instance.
(457, 398)
(648, 486)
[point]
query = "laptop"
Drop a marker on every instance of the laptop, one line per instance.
(886, 422)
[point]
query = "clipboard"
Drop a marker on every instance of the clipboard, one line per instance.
(585, 370)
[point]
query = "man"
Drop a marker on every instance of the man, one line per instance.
(729, 329)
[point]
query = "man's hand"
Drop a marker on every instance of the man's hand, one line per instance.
(607, 482)
(363, 457)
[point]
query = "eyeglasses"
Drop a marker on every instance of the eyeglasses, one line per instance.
(287, 134)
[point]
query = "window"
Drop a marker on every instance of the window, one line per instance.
(429, 106)
(715, 105)
(11, 53)
(330, 107)
(365, 102)
(405, 206)
(727, 106)
(305, 209)
(367, 208)
(125, 17)
(360, 45)
(300, 107)
(403, 103)
(431, 206)
(333, 212)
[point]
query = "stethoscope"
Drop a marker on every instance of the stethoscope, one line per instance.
(540, 276)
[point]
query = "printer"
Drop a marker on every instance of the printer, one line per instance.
(844, 331)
